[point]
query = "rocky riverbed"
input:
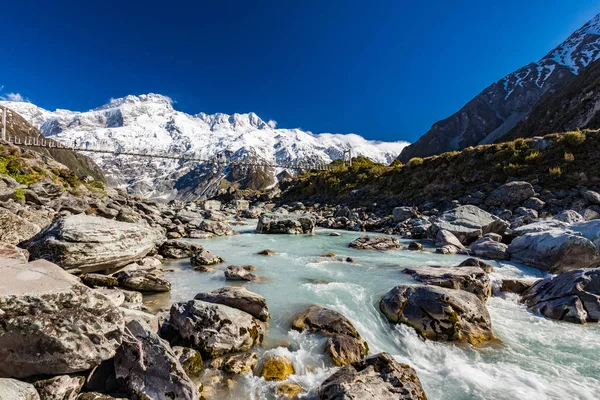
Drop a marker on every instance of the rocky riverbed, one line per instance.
(105, 295)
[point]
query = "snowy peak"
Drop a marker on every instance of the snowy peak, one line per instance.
(220, 121)
(579, 50)
(135, 101)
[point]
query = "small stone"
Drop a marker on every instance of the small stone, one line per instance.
(240, 273)
(276, 368)
(415, 246)
(267, 252)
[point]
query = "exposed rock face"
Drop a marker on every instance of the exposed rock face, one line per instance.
(471, 279)
(63, 387)
(175, 248)
(467, 223)
(86, 243)
(205, 257)
(216, 329)
(52, 324)
(381, 243)
(510, 193)
(240, 298)
(488, 248)
(554, 251)
(148, 368)
(276, 368)
(572, 296)
(377, 377)
(438, 313)
(286, 223)
(14, 229)
(344, 344)
(12, 389)
(240, 273)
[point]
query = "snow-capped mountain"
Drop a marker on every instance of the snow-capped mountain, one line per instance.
(498, 108)
(149, 122)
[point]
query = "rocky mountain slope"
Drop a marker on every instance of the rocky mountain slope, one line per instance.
(499, 107)
(81, 165)
(577, 105)
(149, 122)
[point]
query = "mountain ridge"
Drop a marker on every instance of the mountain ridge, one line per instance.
(150, 122)
(499, 107)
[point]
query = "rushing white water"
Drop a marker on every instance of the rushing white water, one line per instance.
(537, 358)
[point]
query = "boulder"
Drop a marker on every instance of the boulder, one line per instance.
(510, 193)
(12, 389)
(569, 217)
(377, 377)
(438, 313)
(401, 214)
(211, 205)
(288, 390)
(474, 262)
(344, 345)
(63, 387)
(141, 316)
(573, 296)
(487, 247)
(190, 360)
(97, 396)
(240, 273)
(415, 246)
(215, 329)
(175, 248)
(204, 257)
(286, 223)
(541, 225)
(467, 223)
(14, 229)
(445, 238)
(241, 205)
(84, 243)
(381, 243)
(240, 363)
(554, 251)
(51, 323)
(143, 281)
(240, 298)
(217, 228)
(8, 187)
(471, 279)
(11, 251)
(591, 196)
(99, 280)
(517, 286)
(276, 368)
(267, 252)
(147, 367)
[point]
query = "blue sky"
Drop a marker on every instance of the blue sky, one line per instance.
(383, 69)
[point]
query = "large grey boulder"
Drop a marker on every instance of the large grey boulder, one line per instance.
(52, 324)
(84, 243)
(554, 251)
(63, 387)
(401, 214)
(14, 229)
(204, 257)
(215, 329)
(569, 217)
(239, 273)
(540, 225)
(371, 242)
(217, 228)
(446, 238)
(487, 247)
(148, 368)
(143, 281)
(467, 223)
(471, 279)
(438, 313)
(286, 223)
(240, 298)
(510, 193)
(591, 196)
(589, 230)
(572, 296)
(12, 389)
(344, 344)
(377, 377)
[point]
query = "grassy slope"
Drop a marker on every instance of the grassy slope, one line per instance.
(570, 160)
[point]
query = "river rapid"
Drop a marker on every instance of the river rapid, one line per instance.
(536, 359)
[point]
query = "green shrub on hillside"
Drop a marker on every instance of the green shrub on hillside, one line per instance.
(413, 162)
(19, 194)
(574, 138)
